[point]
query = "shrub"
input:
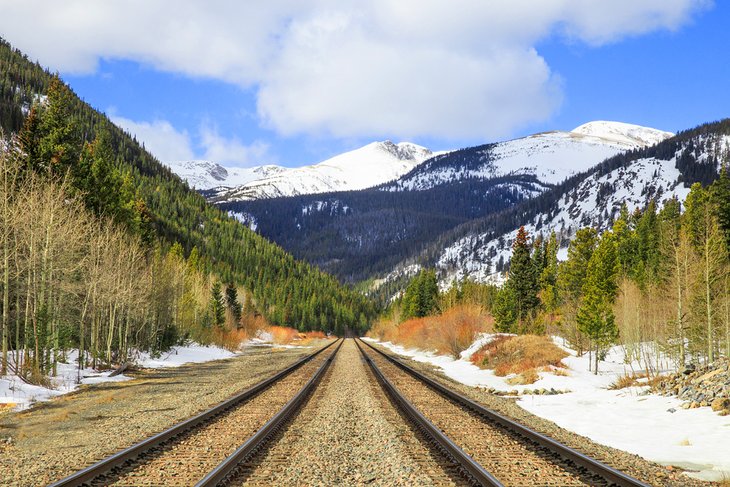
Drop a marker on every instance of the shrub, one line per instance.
(449, 333)
(523, 354)
(283, 335)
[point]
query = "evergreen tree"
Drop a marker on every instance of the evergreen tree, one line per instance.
(232, 304)
(571, 276)
(505, 310)
(520, 291)
(421, 296)
(549, 294)
(216, 306)
(720, 191)
(706, 236)
(595, 316)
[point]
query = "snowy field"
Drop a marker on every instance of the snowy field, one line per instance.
(631, 419)
(17, 394)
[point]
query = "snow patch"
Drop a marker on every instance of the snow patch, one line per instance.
(632, 419)
(15, 392)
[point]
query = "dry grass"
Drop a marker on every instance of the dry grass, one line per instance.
(524, 355)
(230, 339)
(626, 380)
(685, 442)
(529, 376)
(630, 380)
(449, 333)
(253, 323)
(283, 335)
(314, 335)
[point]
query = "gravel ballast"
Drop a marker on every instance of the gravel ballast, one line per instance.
(347, 434)
(57, 438)
(634, 465)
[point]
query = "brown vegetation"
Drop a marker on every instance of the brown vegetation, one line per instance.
(449, 333)
(524, 355)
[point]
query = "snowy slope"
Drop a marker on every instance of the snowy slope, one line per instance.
(551, 156)
(592, 203)
(367, 166)
(209, 174)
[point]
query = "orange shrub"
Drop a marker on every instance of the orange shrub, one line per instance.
(253, 323)
(283, 335)
(449, 333)
(229, 339)
(314, 335)
(523, 354)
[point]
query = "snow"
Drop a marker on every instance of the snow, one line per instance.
(550, 156)
(20, 395)
(622, 133)
(368, 166)
(631, 419)
(476, 255)
(209, 175)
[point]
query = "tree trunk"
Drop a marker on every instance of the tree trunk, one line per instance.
(708, 277)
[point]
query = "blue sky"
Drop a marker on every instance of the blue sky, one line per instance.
(295, 82)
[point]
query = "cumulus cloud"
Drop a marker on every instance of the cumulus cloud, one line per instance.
(405, 68)
(232, 151)
(169, 144)
(160, 138)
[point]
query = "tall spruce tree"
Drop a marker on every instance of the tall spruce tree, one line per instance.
(706, 236)
(595, 315)
(421, 296)
(523, 287)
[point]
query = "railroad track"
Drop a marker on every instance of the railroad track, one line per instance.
(204, 449)
(490, 449)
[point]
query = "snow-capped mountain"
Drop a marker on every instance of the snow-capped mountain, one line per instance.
(550, 157)
(367, 166)
(658, 174)
(208, 174)
(365, 233)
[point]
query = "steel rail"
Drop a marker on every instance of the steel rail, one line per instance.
(229, 465)
(471, 467)
(613, 476)
(93, 471)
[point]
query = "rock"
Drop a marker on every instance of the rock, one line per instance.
(671, 410)
(688, 369)
(720, 404)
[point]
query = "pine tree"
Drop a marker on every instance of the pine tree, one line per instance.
(720, 191)
(421, 296)
(549, 294)
(232, 304)
(595, 316)
(505, 310)
(523, 288)
(706, 236)
(217, 308)
(571, 276)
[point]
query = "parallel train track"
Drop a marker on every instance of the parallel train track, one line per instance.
(489, 448)
(205, 448)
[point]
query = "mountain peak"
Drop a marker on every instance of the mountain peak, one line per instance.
(622, 133)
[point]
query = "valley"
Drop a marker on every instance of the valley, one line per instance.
(374, 243)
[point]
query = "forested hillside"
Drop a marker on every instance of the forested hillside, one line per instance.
(360, 234)
(593, 198)
(64, 161)
(356, 234)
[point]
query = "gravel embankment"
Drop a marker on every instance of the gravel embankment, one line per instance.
(649, 472)
(54, 439)
(347, 434)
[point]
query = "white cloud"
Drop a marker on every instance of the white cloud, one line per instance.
(232, 152)
(399, 68)
(169, 144)
(160, 138)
